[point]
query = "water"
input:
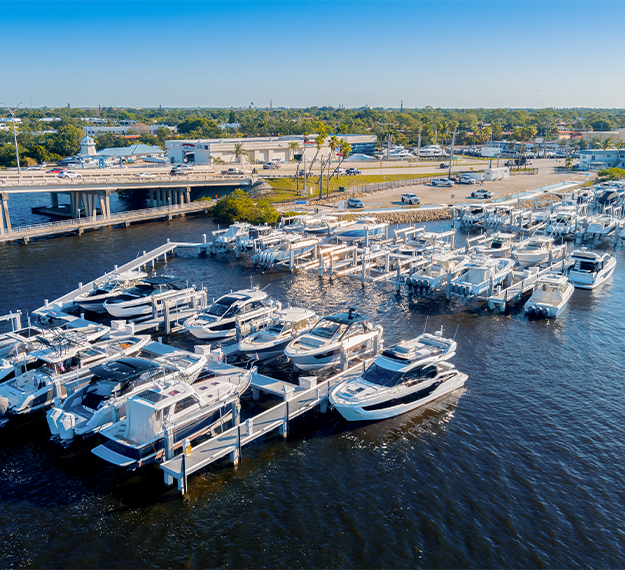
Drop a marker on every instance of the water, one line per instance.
(522, 468)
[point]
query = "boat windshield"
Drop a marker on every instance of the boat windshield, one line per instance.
(498, 243)
(327, 329)
(375, 374)
(221, 306)
(276, 327)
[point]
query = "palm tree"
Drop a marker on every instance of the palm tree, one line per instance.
(238, 151)
(293, 149)
(619, 147)
(605, 145)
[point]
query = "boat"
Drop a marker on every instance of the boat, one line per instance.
(17, 341)
(550, 296)
(537, 250)
(589, 269)
(432, 276)
(258, 232)
(602, 225)
(425, 243)
(363, 228)
(471, 216)
(288, 249)
(189, 364)
(287, 324)
(247, 307)
(324, 224)
(500, 215)
(229, 236)
(563, 223)
(114, 285)
(141, 299)
(170, 409)
(408, 375)
(500, 244)
(60, 369)
(333, 339)
(480, 274)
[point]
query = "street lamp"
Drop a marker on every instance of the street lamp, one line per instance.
(12, 111)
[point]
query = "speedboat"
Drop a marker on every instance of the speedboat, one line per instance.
(590, 269)
(500, 215)
(324, 224)
(257, 232)
(551, 294)
(188, 364)
(500, 245)
(236, 230)
(220, 320)
(404, 377)
(473, 215)
(115, 285)
(286, 325)
(362, 228)
(290, 247)
(537, 250)
(141, 299)
(17, 341)
(336, 337)
(174, 408)
(424, 243)
(480, 274)
(431, 277)
(602, 225)
(61, 369)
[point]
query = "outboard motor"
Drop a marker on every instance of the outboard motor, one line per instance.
(4, 406)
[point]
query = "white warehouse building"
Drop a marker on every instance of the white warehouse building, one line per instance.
(259, 149)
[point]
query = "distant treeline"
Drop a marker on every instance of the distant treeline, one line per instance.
(406, 126)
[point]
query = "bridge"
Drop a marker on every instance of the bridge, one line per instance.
(89, 194)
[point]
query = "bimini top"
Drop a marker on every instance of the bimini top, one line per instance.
(123, 368)
(348, 318)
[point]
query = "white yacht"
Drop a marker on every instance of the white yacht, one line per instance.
(14, 342)
(550, 296)
(344, 335)
(286, 325)
(424, 243)
(474, 215)
(114, 285)
(325, 224)
(564, 220)
(258, 232)
(60, 368)
(186, 411)
(140, 299)
(404, 377)
(590, 269)
(243, 308)
(361, 229)
(602, 225)
(236, 230)
(499, 245)
(537, 250)
(431, 277)
(291, 247)
(479, 274)
(187, 363)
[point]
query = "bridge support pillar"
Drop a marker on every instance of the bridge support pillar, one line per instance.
(188, 194)
(5, 220)
(151, 203)
(54, 199)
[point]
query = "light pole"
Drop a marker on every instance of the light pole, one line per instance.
(12, 111)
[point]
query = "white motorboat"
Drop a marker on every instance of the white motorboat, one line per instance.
(602, 225)
(480, 274)
(363, 228)
(141, 298)
(185, 411)
(17, 341)
(404, 377)
(334, 338)
(550, 296)
(471, 216)
(229, 236)
(590, 269)
(324, 224)
(288, 249)
(286, 325)
(60, 369)
(258, 232)
(245, 308)
(499, 245)
(562, 223)
(425, 243)
(537, 250)
(189, 364)
(114, 285)
(500, 215)
(431, 277)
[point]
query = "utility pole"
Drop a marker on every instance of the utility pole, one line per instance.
(17, 154)
(419, 144)
(490, 165)
(451, 154)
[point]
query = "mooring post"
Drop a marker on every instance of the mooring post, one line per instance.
(397, 281)
(214, 244)
(363, 268)
(291, 259)
(169, 453)
(448, 285)
(166, 316)
(284, 428)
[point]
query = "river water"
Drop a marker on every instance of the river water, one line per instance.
(524, 467)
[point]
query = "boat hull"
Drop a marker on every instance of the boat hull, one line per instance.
(593, 280)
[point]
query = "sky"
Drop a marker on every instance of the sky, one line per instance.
(296, 54)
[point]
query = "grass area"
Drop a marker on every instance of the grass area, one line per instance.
(286, 188)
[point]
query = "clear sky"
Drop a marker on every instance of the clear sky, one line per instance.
(220, 54)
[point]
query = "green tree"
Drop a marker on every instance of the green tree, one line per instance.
(162, 134)
(38, 153)
(66, 140)
(239, 207)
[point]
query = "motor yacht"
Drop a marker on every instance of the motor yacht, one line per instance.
(141, 298)
(602, 225)
(480, 274)
(245, 308)
(431, 277)
(61, 368)
(333, 338)
(537, 250)
(361, 229)
(169, 407)
(550, 296)
(288, 249)
(404, 377)
(590, 269)
(499, 245)
(114, 285)
(258, 232)
(424, 243)
(189, 364)
(472, 216)
(236, 230)
(287, 324)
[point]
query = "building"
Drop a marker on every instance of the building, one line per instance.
(124, 130)
(87, 146)
(133, 151)
(596, 159)
(259, 149)
(615, 136)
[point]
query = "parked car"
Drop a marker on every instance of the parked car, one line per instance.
(466, 179)
(442, 182)
(145, 175)
(353, 171)
(55, 170)
(481, 193)
(340, 170)
(443, 165)
(355, 203)
(69, 174)
(410, 198)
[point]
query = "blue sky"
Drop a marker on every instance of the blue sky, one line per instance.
(221, 54)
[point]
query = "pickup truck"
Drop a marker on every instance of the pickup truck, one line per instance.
(442, 182)
(481, 193)
(465, 179)
(410, 198)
